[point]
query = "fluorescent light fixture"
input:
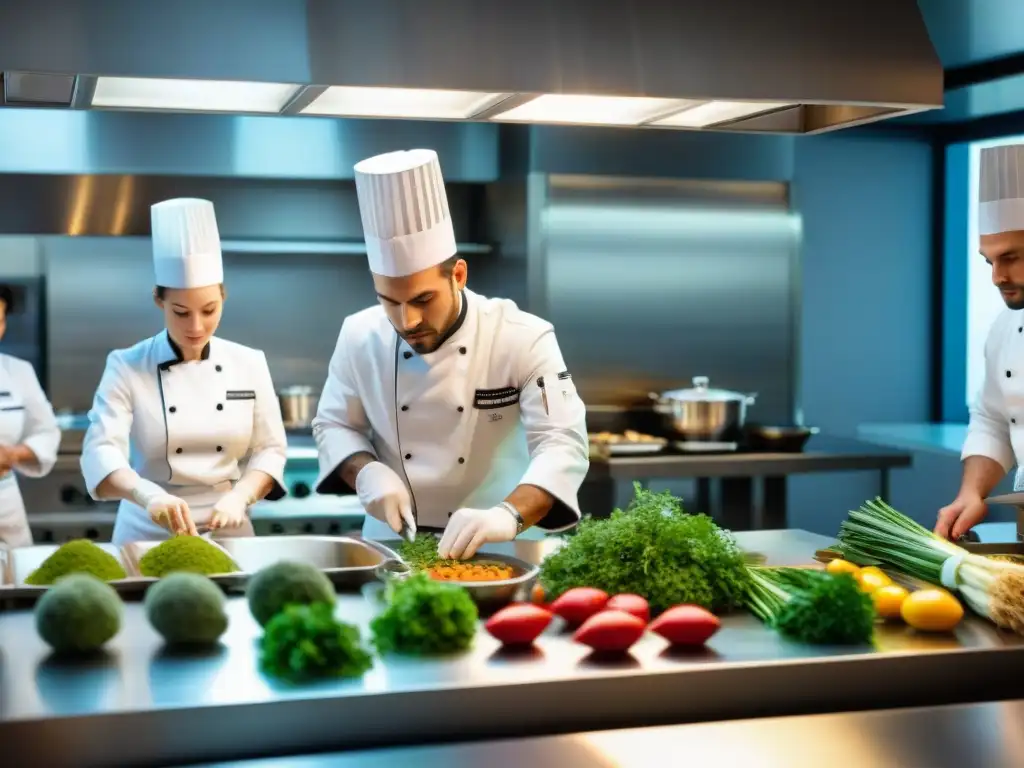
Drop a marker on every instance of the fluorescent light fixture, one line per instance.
(713, 112)
(351, 101)
(191, 95)
(591, 110)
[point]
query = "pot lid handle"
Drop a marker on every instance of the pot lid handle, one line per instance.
(701, 382)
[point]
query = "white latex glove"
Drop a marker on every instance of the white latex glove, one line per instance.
(384, 496)
(229, 511)
(165, 510)
(470, 529)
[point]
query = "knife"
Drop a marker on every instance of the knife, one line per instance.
(406, 532)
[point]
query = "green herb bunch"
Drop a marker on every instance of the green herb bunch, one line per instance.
(424, 616)
(421, 552)
(812, 606)
(652, 549)
(305, 642)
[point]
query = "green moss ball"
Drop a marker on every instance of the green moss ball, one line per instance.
(78, 556)
(79, 614)
(286, 583)
(192, 554)
(187, 610)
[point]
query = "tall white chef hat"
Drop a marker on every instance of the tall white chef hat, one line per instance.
(1001, 190)
(404, 209)
(186, 244)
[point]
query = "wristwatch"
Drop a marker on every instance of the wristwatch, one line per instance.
(507, 506)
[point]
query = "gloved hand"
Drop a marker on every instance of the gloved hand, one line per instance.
(470, 529)
(229, 511)
(384, 496)
(165, 510)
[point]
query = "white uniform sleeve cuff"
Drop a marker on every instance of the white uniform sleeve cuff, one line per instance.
(562, 479)
(45, 449)
(271, 463)
(98, 464)
(335, 445)
(980, 443)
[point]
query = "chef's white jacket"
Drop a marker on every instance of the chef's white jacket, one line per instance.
(26, 417)
(463, 425)
(192, 428)
(996, 428)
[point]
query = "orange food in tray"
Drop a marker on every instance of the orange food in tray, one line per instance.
(470, 571)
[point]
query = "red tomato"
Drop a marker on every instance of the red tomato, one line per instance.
(518, 624)
(630, 604)
(579, 604)
(686, 625)
(610, 631)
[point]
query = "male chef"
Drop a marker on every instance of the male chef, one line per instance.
(443, 409)
(995, 436)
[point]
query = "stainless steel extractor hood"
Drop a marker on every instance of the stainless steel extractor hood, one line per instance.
(790, 66)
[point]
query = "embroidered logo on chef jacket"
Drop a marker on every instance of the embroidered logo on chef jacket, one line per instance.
(489, 399)
(241, 394)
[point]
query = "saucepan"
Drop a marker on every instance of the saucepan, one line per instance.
(702, 414)
(298, 406)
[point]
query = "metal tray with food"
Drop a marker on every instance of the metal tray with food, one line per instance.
(231, 580)
(628, 443)
(347, 561)
(489, 594)
(21, 563)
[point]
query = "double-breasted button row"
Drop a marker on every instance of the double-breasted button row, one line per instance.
(408, 456)
(180, 450)
(174, 408)
(460, 409)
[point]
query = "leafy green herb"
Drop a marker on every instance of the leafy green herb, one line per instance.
(652, 549)
(812, 606)
(424, 616)
(305, 642)
(421, 552)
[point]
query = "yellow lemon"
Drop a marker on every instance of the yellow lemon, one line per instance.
(872, 578)
(888, 600)
(842, 566)
(932, 610)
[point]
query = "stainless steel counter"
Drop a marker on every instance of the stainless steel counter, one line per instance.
(57, 714)
(977, 735)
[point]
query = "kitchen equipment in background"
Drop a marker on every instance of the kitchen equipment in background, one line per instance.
(298, 406)
(702, 418)
(778, 439)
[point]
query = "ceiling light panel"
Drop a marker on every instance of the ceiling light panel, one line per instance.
(714, 112)
(349, 101)
(191, 95)
(591, 110)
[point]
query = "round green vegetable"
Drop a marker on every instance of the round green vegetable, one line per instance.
(305, 642)
(187, 609)
(285, 583)
(424, 616)
(193, 554)
(78, 556)
(79, 614)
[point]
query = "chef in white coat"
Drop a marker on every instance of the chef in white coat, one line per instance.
(185, 428)
(29, 435)
(995, 436)
(443, 409)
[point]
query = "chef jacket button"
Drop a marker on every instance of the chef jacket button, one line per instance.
(220, 406)
(220, 448)
(461, 409)
(178, 450)
(218, 369)
(1019, 330)
(1007, 374)
(461, 460)
(405, 407)
(462, 350)
(408, 456)
(407, 354)
(172, 409)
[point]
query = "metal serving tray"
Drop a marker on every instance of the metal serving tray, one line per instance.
(488, 595)
(347, 561)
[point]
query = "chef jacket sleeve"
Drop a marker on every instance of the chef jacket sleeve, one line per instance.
(105, 447)
(268, 447)
(556, 435)
(340, 427)
(41, 434)
(988, 433)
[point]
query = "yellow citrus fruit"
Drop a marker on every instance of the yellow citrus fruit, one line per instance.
(932, 610)
(871, 578)
(842, 566)
(888, 600)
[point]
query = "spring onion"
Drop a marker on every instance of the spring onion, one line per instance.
(811, 606)
(993, 588)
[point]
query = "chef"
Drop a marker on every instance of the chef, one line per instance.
(444, 410)
(185, 428)
(29, 436)
(995, 435)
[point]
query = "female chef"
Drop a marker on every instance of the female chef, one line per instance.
(443, 409)
(29, 436)
(185, 428)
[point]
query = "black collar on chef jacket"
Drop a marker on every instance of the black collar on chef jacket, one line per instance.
(179, 357)
(461, 319)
